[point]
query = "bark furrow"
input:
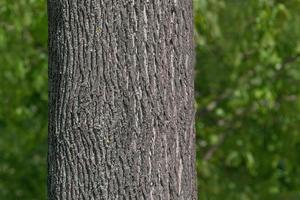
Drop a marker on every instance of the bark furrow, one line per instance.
(121, 104)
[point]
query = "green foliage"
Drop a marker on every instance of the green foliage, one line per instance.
(247, 95)
(247, 98)
(23, 99)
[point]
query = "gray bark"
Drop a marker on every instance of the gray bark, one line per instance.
(121, 104)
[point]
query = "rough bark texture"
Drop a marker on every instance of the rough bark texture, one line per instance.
(121, 113)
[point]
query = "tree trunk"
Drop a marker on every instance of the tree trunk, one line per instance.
(121, 104)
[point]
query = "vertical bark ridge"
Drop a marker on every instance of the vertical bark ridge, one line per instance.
(121, 114)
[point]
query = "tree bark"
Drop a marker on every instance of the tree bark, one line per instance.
(121, 100)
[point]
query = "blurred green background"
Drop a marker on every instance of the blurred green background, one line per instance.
(247, 98)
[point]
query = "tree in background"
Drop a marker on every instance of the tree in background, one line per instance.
(121, 100)
(247, 85)
(23, 99)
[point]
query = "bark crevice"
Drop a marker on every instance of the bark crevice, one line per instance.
(121, 100)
